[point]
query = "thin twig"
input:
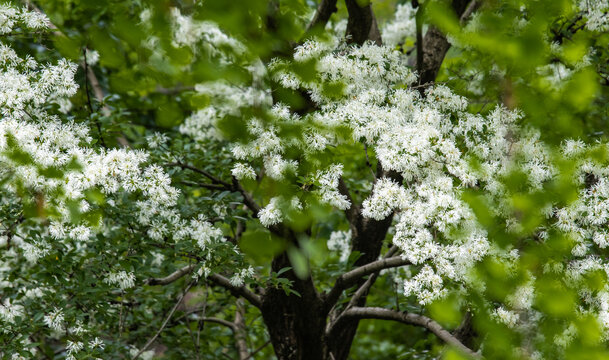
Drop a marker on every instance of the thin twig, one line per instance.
(258, 349)
(175, 307)
(473, 6)
(97, 124)
(208, 175)
(203, 185)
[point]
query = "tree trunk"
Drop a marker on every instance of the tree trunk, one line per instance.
(296, 324)
(368, 236)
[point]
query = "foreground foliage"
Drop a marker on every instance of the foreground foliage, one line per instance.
(197, 180)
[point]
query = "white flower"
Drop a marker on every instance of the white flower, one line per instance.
(123, 279)
(328, 187)
(387, 196)
(97, 343)
(203, 231)
(340, 241)
(506, 317)
(402, 26)
(271, 214)
(74, 347)
(156, 140)
(9, 311)
(54, 320)
(92, 57)
(243, 171)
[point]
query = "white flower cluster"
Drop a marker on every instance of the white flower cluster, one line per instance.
(156, 140)
(55, 320)
(271, 214)
(188, 32)
(387, 196)
(123, 279)
(9, 311)
(340, 241)
(12, 18)
(328, 187)
(596, 14)
(238, 279)
(200, 230)
(430, 141)
(227, 100)
(279, 209)
(243, 171)
(402, 26)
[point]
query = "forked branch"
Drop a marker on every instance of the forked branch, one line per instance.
(350, 278)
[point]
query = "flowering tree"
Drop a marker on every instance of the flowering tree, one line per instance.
(198, 180)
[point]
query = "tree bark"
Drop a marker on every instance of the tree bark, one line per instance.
(367, 239)
(240, 330)
(361, 25)
(296, 324)
(324, 11)
(435, 45)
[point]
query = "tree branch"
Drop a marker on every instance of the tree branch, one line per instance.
(350, 278)
(419, 44)
(361, 25)
(363, 290)
(236, 290)
(435, 45)
(226, 323)
(353, 211)
(173, 310)
(239, 332)
(203, 185)
(251, 355)
(405, 318)
(473, 6)
(172, 277)
(324, 11)
(248, 200)
(208, 175)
